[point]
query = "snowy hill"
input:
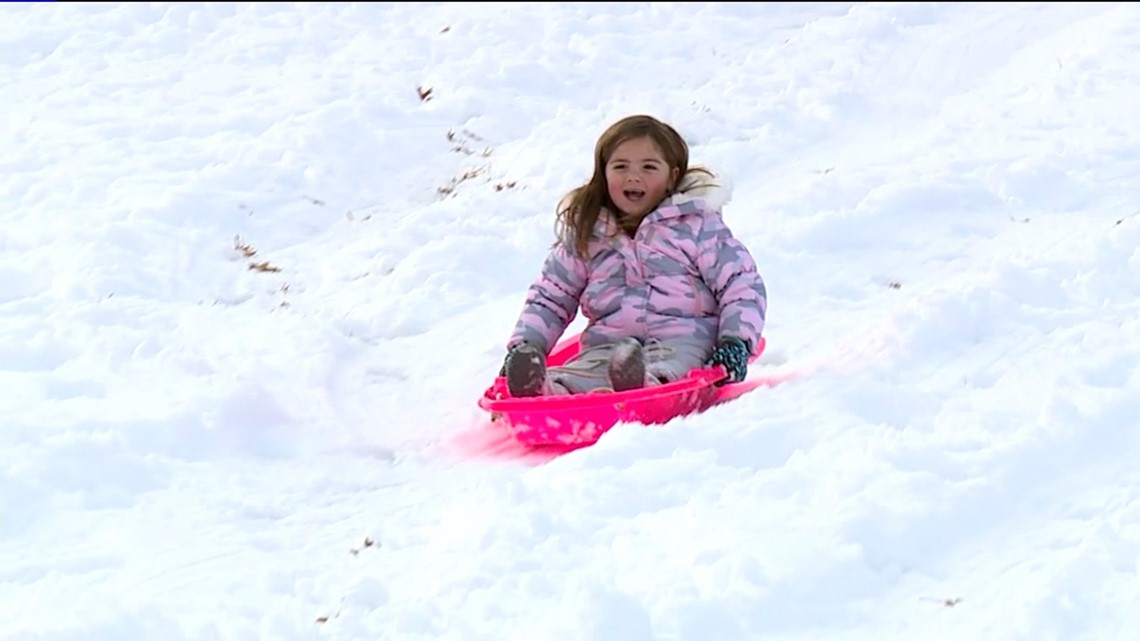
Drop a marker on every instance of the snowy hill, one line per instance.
(258, 261)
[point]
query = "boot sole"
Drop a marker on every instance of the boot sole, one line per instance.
(526, 373)
(627, 366)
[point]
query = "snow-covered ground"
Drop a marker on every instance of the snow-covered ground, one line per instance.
(258, 262)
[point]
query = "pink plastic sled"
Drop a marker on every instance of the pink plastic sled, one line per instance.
(581, 419)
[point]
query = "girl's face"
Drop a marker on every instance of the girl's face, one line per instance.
(638, 178)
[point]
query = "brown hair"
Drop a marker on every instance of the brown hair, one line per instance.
(578, 211)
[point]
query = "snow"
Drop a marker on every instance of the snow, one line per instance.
(942, 199)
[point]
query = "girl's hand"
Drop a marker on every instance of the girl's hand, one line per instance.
(732, 353)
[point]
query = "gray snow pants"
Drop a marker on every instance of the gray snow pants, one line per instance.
(665, 361)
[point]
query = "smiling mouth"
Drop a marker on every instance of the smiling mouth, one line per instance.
(633, 194)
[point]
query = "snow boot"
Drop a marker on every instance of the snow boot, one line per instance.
(526, 371)
(627, 365)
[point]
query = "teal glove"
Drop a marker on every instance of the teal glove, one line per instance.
(732, 353)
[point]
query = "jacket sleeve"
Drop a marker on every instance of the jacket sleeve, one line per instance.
(552, 301)
(729, 270)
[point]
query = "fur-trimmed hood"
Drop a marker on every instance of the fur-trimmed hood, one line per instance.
(714, 191)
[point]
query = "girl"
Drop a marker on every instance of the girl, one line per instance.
(662, 282)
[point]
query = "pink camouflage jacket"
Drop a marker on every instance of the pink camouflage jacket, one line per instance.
(683, 275)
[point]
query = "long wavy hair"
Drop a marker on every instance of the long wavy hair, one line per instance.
(578, 210)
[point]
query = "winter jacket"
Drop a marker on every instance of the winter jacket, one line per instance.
(683, 274)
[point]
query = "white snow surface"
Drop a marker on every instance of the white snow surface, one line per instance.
(941, 197)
